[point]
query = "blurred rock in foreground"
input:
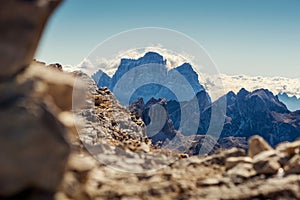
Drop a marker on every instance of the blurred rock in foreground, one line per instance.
(21, 24)
(33, 144)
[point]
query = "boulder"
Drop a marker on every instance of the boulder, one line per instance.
(267, 167)
(233, 161)
(266, 162)
(33, 144)
(242, 170)
(256, 145)
(20, 33)
(220, 158)
(289, 148)
(53, 83)
(293, 166)
(33, 150)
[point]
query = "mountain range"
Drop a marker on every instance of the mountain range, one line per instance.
(277, 85)
(259, 112)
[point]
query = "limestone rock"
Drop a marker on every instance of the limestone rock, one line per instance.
(244, 170)
(293, 166)
(291, 148)
(266, 162)
(20, 32)
(209, 182)
(233, 161)
(81, 163)
(220, 158)
(267, 167)
(233, 152)
(256, 145)
(53, 83)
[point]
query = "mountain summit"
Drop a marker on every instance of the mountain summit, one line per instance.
(260, 112)
(153, 80)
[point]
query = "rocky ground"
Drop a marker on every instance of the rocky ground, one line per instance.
(137, 170)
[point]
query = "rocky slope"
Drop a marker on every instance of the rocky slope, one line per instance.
(262, 173)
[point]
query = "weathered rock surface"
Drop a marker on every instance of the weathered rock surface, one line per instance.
(232, 161)
(33, 150)
(20, 32)
(189, 178)
(256, 145)
(34, 147)
(33, 141)
(112, 134)
(59, 86)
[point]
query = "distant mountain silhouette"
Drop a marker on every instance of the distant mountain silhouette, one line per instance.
(247, 113)
(180, 78)
(292, 103)
(260, 112)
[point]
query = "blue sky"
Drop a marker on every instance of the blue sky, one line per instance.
(252, 37)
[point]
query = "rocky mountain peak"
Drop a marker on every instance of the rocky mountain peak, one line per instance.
(153, 57)
(242, 93)
(230, 98)
(266, 99)
(148, 58)
(186, 67)
(187, 71)
(181, 77)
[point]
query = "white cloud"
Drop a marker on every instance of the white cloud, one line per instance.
(109, 66)
(274, 84)
(210, 82)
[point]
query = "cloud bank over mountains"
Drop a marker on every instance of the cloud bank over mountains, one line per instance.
(234, 83)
